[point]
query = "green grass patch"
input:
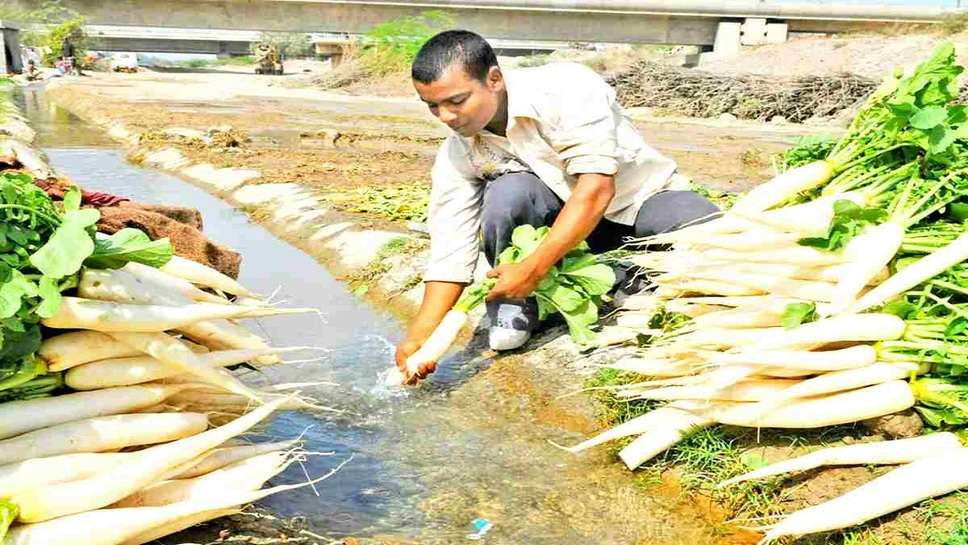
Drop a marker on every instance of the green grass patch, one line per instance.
(391, 46)
(401, 203)
(361, 281)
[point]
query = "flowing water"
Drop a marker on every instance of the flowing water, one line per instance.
(469, 444)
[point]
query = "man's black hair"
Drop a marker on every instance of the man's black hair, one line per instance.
(453, 46)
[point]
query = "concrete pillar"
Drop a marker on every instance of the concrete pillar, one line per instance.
(10, 41)
(776, 33)
(727, 39)
(753, 31)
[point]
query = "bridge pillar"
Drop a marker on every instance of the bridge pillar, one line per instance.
(10, 40)
(727, 40)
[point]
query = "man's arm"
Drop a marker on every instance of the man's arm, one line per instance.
(581, 214)
(438, 298)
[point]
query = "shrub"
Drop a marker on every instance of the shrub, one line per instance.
(392, 46)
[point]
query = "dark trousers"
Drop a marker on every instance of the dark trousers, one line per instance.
(521, 198)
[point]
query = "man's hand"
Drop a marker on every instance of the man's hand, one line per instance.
(515, 281)
(438, 298)
(404, 351)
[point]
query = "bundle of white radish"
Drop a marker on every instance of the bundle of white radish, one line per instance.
(115, 364)
(814, 299)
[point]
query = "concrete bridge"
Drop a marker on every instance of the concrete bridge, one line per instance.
(226, 26)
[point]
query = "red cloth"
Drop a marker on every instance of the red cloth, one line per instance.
(96, 199)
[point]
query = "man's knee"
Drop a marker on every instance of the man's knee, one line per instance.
(517, 197)
(670, 210)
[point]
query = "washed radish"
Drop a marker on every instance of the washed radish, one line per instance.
(197, 273)
(839, 381)
(38, 472)
(919, 480)
(845, 327)
(914, 274)
(150, 465)
(635, 426)
(672, 429)
(224, 456)
(830, 410)
(243, 476)
(900, 451)
(141, 369)
(827, 360)
(170, 351)
(114, 526)
(178, 525)
(101, 434)
(784, 187)
(49, 411)
(78, 347)
(77, 313)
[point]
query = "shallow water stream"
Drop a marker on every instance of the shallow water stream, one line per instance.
(469, 444)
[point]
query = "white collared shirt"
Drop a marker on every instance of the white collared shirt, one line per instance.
(563, 120)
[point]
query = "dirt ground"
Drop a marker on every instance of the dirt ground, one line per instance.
(336, 142)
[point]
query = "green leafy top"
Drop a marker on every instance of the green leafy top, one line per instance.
(42, 248)
(848, 220)
(574, 287)
(796, 314)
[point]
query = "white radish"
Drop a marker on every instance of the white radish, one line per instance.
(17, 417)
(123, 287)
(197, 273)
(114, 526)
(221, 457)
(751, 390)
(170, 351)
(784, 187)
(839, 381)
(716, 287)
(635, 426)
(738, 319)
(150, 465)
(225, 335)
(101, 434)
(900, 451)
(438, 342)
(868, 254)
(178, 525)
(921, 270)
(78, 313)
(828, 360)
(661, 437)
(78, 347)
(809, 219)
(634, 320)
(750, 241)
(831, 410)
(162, 280)
(242, 476)
(38, 472)
(909, 484)
(651, 367)
(799, 255)
(141, 369)
(842, 328)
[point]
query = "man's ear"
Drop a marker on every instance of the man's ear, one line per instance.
(495, 78)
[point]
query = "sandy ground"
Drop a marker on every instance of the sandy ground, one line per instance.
(329, 141)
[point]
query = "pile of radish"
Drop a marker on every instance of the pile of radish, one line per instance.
(834, 293)
(119, 420)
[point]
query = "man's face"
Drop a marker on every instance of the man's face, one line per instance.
(461, 102)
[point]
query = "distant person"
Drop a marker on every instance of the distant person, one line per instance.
(69, 51)
(32, 73)
(541, 146)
